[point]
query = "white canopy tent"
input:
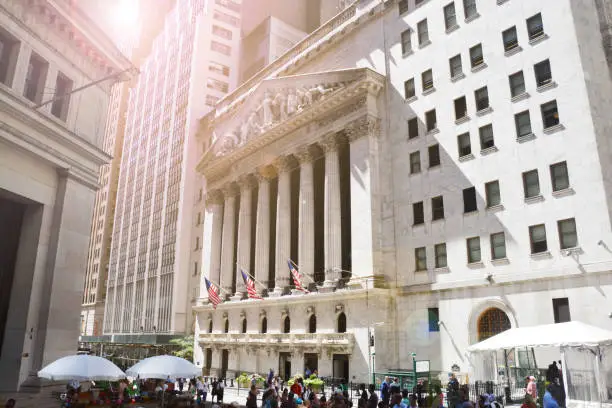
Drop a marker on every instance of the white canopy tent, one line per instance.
(568, 337)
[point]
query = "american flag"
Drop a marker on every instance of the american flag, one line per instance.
(297, 277)
(250, 286)
(213, 293)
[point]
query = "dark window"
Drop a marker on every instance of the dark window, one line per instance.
(561, 310)
(406, 41)
(517, 84)
(422, 32)
(455, 66)
(226, 326)
(59, 106)
(531, 183)
(568, 238)
(264, 325)
(409, 90)
(418, 214)
(195, 264)
(510, 39)
(434, 155)
(522, 121)
(210, 326)
(430, 120)
(469, 9)
(413, 128)
(433, 316)
(460, 108)
(535, 27)
(427, 80)
(342, 323)
(482, 98)
(420, 257)
(559, 176)
(550, 114)
(244, 325)
(9, 47)
(226, 18)
(287, 325)
(464, 143)
(493, 194)
(498, 245)
(403, 6)
(437, 208)
(476, 56)
(469, 200)
(440, 253)
(543, 74)
(486, 137)
(537, 238)
(473, 249)
(312, 324)
(415, 162)
(35, 78)
(450, 16)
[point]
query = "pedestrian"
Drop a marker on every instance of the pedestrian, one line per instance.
(385, 392)
(213, 391)
(181, 384)
(397, 401)
(362, 402)
(452, 391)
(220, 390)
(394, 387)
(531, 392)
(373, 398)
(413, 401)
(548, 400)
(202, 390)
(405, 398)
(308, 393)
(251, 401)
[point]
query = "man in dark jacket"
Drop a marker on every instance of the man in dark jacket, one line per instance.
(373, 400)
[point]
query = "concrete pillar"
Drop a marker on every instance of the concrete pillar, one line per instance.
(306, 215)
(227, 249)
(332, 220)
(262, 238)
(283, 224)
(244, 234)
(211, 240)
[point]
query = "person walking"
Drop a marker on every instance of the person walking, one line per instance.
(531, 392)
(213, 391)
(373, 399)
(251, 401)
(220, 390)
(548, 401)
(385, 393)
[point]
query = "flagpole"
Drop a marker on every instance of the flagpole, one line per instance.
(298, 268)
(250, 276)
(219, 286)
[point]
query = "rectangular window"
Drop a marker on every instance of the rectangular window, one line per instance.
(226, 18)
(510, 39)
(450, 16)
(537, 238)
(486, 137)
(482, 98)
(430, 120)
(197, 243)
(476, 56)
(427, 80)
(420, 257)
(550, 114)
(440, 252)
(522, 121)
(402, 6)
(437, 208)
(460, 108)
(211, 100)
(218, 68)
(568, 238)
(473, 249)
(423, 32)
(195, 268)
(406, 41)
(492, 193)
(498, 245)
(418, 213)
(9, 47)
(433, 316)
(455, 66)
(535, 27)
(230, 4)
(464, 144)
(517, 84)
(469, 9)
(413, 128)
(415, 162)
(434, 155)
(222, 32)
(217, 85)
(469, 200)
(221, 48)
(531, 183)
(63, 87)
(35, 78)
(559, 176)
(542, 72)
(561, 310)
(409, 90)
(417, 3)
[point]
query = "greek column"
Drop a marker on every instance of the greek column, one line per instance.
(213, 229)
(332, 220)
(262, 238)
(227, 251)
(283, 225)
(244, 234)
(306, 215)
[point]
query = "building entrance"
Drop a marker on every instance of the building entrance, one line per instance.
(311, 362)
(341, 366)
(224, 362)
(284, 365)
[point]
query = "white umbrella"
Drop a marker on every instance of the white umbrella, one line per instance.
(82, 367)
(162, 367)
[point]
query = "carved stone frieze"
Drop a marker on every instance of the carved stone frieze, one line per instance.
(283, 164)
(214, 197)
(304, 155)
(366, 125)
(230, 190)
(330, 142)
(246, 182)
(345, 111)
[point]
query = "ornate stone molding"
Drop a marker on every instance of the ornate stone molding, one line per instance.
(366, 125)
(214, 197)
(246, 182)
(304, 155)
(230, 190)
(330, 142)
(283, 164)
(266, 172)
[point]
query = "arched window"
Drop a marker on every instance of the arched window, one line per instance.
(244, 325)
(491, 322)
(312, 324)
(264, 325)
(210, 326)
(342, 323)
(286, 325)
(226, 328)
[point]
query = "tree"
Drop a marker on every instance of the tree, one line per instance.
(184, 347)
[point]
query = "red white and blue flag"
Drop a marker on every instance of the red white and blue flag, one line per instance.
(297, 277)
(250, 286)
(213, 293)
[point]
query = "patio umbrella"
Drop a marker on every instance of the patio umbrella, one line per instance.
(82, 367)
(163, 367)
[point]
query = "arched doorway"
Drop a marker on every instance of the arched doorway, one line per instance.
(312, 324)
(286, 325)
(342, 323)
(491, 322)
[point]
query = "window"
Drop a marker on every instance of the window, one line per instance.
(567, 233)
(427, 80)
(434, 155)
(286, 325)
(35, 78)
(486, 137)
(406, 41)
(469, 9)
(197, 243)
(510, 39)
(437, 208)
(221, 48)
(476, 56)
(264, 325)
(63, 87)
(226, 18)
(473, 250)
(450, 16)
(455, 66)
(559, 176)
(312, 323)
(409, 90)
(498, 245)
(465, 146)
(550, 114)
(217, 85)
(430, 120)
(482, 98)
(9, 47)
(218, 68)
(531, 183)
(230, 4)
(413, 128)
(417, 3)
(417, 213)
(341, 323)
(433, 316)
(469, 200)
(522, 121)
(222, 32)
(195, 268)
(403, 6)
(543, 74)
(460, 108)
(517, 84)
(561, 310)
(415, 162)
(211, 100)
(423, 32)
(492, 193)
(537, 238)
(420, 256)
(535, 27)
(210, 326)
(440, 252)
(244, 325)
(199, 218)
(226, 326)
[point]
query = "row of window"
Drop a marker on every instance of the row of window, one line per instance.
(286, 324)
